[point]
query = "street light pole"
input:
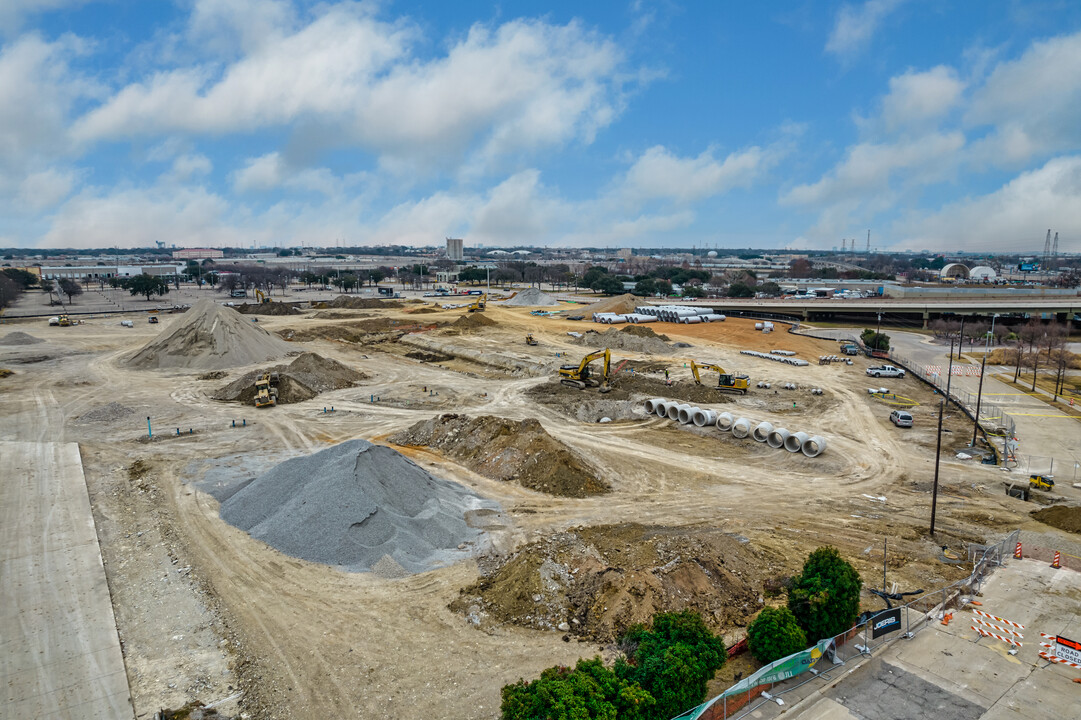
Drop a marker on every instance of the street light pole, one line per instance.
(979, 390)
(938, 454)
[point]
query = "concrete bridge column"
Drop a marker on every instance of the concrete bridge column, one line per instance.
(926, 317)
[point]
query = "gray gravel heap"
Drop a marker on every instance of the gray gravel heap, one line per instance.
(19, 338)
(106, 413)
(355, 503)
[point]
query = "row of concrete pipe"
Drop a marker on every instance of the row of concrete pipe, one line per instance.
(740, 427)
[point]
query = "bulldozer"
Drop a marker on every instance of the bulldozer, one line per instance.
(478, 304)
(1041, 482)
(262, 296)
(579, 375)
(266, 390)
(726, 381)
(530, 340)
(64, 321)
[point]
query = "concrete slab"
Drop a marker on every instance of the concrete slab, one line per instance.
(59, 650)
(952, 672)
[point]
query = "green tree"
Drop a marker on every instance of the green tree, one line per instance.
(825, 597)
(673, 661)
(693, 291)
(874, 340)
(472, 275)
(48, 286)
(70, 288)
(738, 289)
(587, 692)
(376, 276)
(146, 285)
(645, 287)
(592, 276)
(24, 278)
(608, 285)
(775, 634)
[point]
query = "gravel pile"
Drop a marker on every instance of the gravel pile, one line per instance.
(209, 337)
(354, 504)
(19, 338)
(106, 413)
(615, 339)
(532, 297)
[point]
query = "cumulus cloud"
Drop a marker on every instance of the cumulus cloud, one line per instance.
(660, 174)
(857, 24)
(1032, 102)
(916, 98)
(188, 166)
(14, 12)
(44, 189)
(1013, 216)
(517, 87)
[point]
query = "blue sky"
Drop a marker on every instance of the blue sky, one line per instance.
(942, 125)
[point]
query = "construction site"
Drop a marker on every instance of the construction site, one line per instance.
(394, 507)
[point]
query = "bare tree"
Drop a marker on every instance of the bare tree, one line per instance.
(1028, 334)
(1055, 342)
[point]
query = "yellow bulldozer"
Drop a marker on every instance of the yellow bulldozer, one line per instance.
(266, 390)
(726, 381)
(530, 340)
(579, 375)
(1041, 482)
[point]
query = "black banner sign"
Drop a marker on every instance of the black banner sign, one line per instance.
(885, 622)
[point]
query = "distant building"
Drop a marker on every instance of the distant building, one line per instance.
(625, 254)
(197, 254)
(455, 249)
(95, 272)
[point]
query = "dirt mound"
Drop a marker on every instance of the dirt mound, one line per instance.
(4, 372)
(508, 450)
(362, 332)
(270, 308)
(532, 297)
(19, 338)
(302, 379)
(643, 331)
(601, 580)
(1064, 517)
(357, 303)
(425, 311)
(106, 413)
(625, 386)
(209, 337)
(633, 341)
(355, 503)
(619, 304)
(470, 322)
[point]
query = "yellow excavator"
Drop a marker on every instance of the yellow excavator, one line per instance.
(262, 296)
(579, 375)
(478, 304)
(530, 340)
(726, 381)
(266, 390)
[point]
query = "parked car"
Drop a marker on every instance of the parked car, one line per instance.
(886, 371)
(901, 418)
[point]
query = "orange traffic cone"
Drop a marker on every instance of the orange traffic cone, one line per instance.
(946, 618)
(1055, 563)
(1017, 551)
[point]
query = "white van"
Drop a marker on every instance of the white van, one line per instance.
(901, 418)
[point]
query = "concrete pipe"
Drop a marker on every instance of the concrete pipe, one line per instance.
(758, 326)
(741, 428)
(702, 418)
(661, 409)
(686, 414)
(777, 438)
(652, 404)
(794, 442)
(762, 431)
(673, 410)
(814, 446)
(617, 320)
(724, 421)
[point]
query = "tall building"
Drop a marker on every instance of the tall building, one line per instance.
(196, 254)
(454, 249)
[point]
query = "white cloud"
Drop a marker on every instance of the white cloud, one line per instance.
(44, 189)
(1032, 102)
(233, 26)
(856, 25)
(868, 168)
(660, 174)
(261, 173)
(916, 98)
(13, 12)
(1014, 216)
(517, 87)
(188, 166)
(271, 171)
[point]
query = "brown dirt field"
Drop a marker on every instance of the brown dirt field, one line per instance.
(644, 331)
(508, 450)
(270, 308)
(596, 582)
(1064, 517)
(358, 303)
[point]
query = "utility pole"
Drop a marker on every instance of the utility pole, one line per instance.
(938, 455)
(868, 241)
(883, 565)
(949, 376)
(979, 390)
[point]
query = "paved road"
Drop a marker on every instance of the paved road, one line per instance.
(1042, 430)
(59, 650)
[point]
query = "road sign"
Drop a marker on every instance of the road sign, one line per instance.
(1068, 650)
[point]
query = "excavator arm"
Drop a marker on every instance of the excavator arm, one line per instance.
(579, 376)
(725, 381)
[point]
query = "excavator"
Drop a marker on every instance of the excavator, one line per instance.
(478, 304)
(262, 296)
(530, 340)
(266, 390)
(726, 381)
(579, 375)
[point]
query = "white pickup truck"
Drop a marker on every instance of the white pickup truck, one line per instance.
(886, 371)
